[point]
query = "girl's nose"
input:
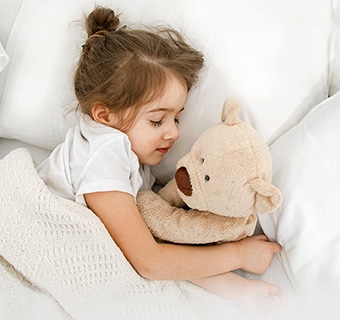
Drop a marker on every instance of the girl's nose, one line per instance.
(172, 133)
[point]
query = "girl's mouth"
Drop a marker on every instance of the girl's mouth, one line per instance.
(163, 150)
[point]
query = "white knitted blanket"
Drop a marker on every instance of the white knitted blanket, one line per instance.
(57, 261)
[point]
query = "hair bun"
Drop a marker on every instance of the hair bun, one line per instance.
(101, 19)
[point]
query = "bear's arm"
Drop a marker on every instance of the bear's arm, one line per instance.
(191, 226)
(169, 194)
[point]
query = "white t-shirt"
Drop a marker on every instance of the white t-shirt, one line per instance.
(94, 158)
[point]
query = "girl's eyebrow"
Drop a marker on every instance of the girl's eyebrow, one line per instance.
(165, 109)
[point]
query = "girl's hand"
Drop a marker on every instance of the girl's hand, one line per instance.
(256, 253)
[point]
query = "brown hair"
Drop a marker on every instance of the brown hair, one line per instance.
(123, 68)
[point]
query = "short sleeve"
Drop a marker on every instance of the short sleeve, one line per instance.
(112, 167)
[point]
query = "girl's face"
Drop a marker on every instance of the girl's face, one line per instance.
(156, 126)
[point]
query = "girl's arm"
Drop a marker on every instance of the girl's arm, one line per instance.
(161, 261)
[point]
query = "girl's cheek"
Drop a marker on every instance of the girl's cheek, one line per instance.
(152, 141)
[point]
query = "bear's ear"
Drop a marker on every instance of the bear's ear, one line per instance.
(268, 198)
(230, 111)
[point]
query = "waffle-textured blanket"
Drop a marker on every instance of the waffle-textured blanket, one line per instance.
(57, 261)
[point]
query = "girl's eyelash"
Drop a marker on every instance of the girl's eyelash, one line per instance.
(159, 123)
(156, 123)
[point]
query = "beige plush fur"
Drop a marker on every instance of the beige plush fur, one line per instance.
(225, 180)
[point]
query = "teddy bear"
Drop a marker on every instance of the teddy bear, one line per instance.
(218, 189)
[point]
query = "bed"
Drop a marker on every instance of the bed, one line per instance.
(279, 59)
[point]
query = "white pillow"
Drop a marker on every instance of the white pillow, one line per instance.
(3, 58)
(306, 164)
(261, 53)
(334, 85)
(270, 55)
(8, 13)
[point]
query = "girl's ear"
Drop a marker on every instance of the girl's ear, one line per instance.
(101, 114)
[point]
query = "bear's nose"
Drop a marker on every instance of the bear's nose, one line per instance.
(183, 181)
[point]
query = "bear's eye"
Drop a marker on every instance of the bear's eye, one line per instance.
(206, 178)
(202, 160)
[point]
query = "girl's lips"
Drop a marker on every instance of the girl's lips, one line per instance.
(163, 150)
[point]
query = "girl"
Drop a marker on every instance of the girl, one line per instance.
(132, 86)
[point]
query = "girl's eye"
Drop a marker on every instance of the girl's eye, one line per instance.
(156, 123)
(160, 122)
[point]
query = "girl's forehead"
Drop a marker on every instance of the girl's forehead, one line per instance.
(170, 99)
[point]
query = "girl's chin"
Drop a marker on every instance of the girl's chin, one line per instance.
(152, 162)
